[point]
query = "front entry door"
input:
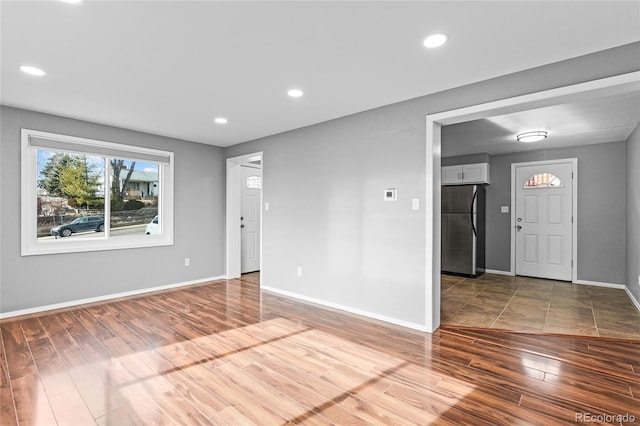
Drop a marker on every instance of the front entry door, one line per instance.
(543, 220)
(250, 219)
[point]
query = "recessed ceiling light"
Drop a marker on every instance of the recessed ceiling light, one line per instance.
(73, 1)
(535, 136)
(220, 120)
(295, 93)
(435, 40)
(32, 70)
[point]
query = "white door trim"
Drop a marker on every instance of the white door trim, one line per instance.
(574, 211)
(577, 92)
(233, 238)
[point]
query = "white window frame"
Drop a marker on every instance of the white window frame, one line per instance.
(29, 181)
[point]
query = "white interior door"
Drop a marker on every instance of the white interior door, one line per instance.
(543, 220)
(251, 182)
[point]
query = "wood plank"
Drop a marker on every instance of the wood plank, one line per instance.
(231, 416)
(265, 395)
(57, 333)
(118, 417)
(590, 401)
(7, 405)
(236, 396)
(31, 401)
(69, 409)
(577, 352)
(18, 355)
(52, 370)
(560, 411)
(32, 329)
(543, 368)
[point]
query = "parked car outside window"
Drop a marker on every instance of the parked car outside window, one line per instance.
(81, 224)
(153, 227)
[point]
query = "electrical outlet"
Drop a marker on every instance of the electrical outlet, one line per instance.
(187, 261)
(299, 271)
(638, 279)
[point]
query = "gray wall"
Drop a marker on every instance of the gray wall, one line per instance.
(324, 184)
(327, 213)
(601, 209)
(633, 213)
(33, 281)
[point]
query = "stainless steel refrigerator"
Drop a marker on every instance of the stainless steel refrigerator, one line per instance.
(463, 233)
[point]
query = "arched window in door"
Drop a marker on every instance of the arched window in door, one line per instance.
(254, 182)
(543, 180)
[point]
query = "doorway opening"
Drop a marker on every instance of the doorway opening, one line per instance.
(578, 92)
(244, 215)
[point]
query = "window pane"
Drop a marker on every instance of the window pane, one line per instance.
(544, 180)
(135, 186)
(72, 186)
(70, 195)
(254, 182)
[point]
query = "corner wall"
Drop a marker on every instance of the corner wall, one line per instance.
(633, 214)
(36, 281)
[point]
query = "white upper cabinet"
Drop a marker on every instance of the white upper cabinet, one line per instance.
(465, 174)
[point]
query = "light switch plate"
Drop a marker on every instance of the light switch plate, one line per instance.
(415, 203)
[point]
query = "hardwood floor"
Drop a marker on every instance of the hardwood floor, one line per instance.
(226, 353)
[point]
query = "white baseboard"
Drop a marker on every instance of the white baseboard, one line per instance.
(599, 284)
(498, 272)
(391, 320)
(620, 286)
(633, 299)
(69, 304)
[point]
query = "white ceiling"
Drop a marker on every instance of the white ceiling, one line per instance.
(600, 120)
(169, 67)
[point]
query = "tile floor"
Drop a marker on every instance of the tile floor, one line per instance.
(537, 305)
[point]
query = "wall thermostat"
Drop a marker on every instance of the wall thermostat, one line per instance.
(390, 194)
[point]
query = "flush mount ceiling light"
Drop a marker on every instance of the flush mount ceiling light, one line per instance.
(435, 40)
(220, 120)
(535, 136)
(295, 93)
(32, 70)
(72, 1)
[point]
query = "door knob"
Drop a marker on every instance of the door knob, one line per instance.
(241, 226)
(519, 227)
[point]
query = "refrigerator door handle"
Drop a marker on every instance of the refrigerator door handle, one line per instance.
(472, 216)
